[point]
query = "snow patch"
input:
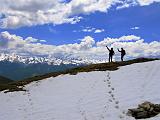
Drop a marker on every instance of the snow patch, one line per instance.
(98, 95)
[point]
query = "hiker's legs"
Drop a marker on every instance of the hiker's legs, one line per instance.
(109, 58)
(122, 57)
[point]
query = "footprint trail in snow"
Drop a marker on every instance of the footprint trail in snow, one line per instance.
(110, 99)
(113, 98)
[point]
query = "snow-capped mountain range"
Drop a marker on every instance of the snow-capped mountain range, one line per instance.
(48, 60)
(16, 67)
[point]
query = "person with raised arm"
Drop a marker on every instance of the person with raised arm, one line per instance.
(111, 53)
(123, 52)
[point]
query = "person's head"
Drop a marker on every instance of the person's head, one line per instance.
(121, 48)
(111, 48)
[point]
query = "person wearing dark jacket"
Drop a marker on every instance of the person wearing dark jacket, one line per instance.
(123, 52)
(111, 53)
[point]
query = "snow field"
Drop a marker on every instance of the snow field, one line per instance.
(96, 95)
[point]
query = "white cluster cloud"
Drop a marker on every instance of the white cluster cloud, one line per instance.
(90, 29)
(135, 28)
(129, 3)
(109, 41)
(99, 30)
(38, 12)
(86, 49)
(31, 46)
(147, 2)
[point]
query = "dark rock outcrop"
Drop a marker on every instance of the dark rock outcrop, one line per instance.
(145, 110)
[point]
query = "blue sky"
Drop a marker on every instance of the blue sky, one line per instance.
(135, 17)
(116, 23)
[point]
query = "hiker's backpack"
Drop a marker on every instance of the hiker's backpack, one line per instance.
(124, 52)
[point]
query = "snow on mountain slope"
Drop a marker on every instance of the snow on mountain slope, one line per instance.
(51, 60)
(96, 95)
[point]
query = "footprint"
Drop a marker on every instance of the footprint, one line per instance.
(85, 118)
(112, 95)
(110, 100)
(121, 116)
(31, 103)
(24, 93)
(83, 113)
(117, 107)
(112, 89)
(117, 102)
(25, 110)
(113, 98)
(109, 82)
(80, 100)
(101, 117)
(123, 112)
(110, 92)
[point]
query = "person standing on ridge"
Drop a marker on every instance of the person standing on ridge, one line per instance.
(111, 53)
(123, 52)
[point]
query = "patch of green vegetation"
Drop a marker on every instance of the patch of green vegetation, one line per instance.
(4, 80)
(18, 85)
